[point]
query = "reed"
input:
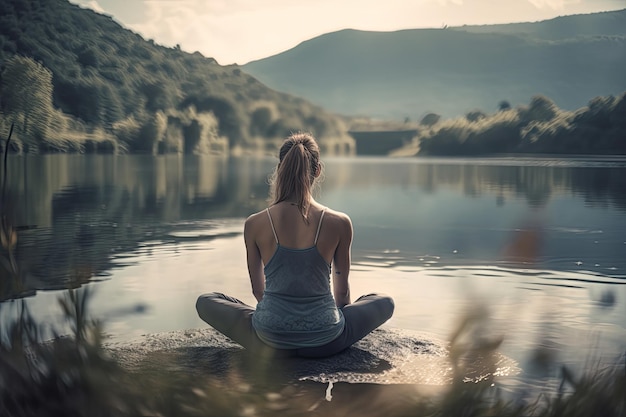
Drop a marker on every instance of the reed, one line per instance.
(74, 375)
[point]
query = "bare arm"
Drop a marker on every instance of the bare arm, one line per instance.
(255, 263)
(341, 268)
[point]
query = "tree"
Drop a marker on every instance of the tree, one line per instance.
(430, 119)
(81, 98)
(111, 109)
(504, 105)
(88, 57)
(541, 109)
(618, 115)
(160, 95)
(475, 115)
(26, 93)
(224, 109)
(150, 133)
(260, 121)
(597, 113)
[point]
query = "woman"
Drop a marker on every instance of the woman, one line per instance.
(292, 247)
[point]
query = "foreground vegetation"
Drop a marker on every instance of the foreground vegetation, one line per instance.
(76, 376)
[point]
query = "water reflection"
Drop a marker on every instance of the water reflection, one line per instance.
(597, 182)
(83, 210)
(81, 214)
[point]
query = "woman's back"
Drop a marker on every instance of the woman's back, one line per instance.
(297, 308)
(292, 249)
(293, 232)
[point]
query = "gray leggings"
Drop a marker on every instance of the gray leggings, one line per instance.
(233, 318)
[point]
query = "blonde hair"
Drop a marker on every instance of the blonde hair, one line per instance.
(297, 169)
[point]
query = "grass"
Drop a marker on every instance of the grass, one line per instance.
(75, 376)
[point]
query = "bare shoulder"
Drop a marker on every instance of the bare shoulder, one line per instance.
(253, 221)
(254, 217)
(338, 219)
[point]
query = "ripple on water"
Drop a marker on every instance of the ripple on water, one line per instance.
(174, 238)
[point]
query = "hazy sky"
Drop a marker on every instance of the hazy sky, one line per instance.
(238, 31)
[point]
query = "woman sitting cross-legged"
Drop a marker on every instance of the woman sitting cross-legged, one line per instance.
(292, 247)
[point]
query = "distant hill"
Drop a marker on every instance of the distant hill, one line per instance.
(451, 71)
(143, 96)
(559, 28)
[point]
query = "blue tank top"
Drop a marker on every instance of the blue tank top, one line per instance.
(297, 309)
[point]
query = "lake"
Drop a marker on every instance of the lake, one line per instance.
(540, 244)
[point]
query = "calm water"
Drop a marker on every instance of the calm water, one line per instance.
(541, 244)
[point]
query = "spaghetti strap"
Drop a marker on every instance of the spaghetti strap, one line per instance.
(319, 226)
(272, 224)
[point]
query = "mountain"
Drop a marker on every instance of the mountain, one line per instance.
(451, 71)
(70, 72)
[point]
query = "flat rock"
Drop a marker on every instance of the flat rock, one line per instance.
(386, 356)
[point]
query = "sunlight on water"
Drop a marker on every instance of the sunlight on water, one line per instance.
(417, 358)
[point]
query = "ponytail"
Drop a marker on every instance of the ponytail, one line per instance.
(295, 174)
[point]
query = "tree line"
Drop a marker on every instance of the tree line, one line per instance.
(539, 127)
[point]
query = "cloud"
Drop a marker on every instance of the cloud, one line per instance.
(242, 30)
(553, 4)
(453, 2)
(219, 27)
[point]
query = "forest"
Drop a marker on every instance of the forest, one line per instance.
(75, 80)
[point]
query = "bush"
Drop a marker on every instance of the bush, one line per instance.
(539, 127)
(127, 130)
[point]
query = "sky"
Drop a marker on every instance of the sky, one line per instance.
(239, 31)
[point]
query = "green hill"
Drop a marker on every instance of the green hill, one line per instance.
(454, 70)
(76, 79)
